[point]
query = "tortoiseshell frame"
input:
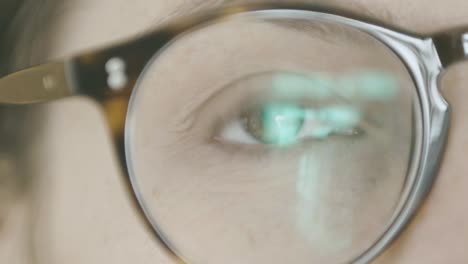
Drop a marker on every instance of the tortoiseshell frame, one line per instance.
(424, 56)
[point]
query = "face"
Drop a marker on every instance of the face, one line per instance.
(78, 206)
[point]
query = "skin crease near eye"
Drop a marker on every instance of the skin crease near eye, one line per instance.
(77, 209)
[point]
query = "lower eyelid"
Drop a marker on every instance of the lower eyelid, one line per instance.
(268, 153)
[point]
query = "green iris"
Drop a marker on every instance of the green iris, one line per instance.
(281, 123)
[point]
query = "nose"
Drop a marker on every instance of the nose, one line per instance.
(452, 45)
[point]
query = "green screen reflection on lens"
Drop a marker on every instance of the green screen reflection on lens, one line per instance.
(368, 85)
(299, 85)
(281, 123)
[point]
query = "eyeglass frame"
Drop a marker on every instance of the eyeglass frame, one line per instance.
(426, 57)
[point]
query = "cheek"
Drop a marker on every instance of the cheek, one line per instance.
(330, 197)
(77, 191)
(443, 220)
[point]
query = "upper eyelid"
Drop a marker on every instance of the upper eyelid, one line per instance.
(189, 7)
(335, 34)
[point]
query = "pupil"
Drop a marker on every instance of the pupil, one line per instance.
(281, 123)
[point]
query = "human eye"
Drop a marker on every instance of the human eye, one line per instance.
(278, 136)
(285, 124)
(302, 109)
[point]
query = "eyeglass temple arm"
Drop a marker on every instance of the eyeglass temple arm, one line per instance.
(37, 84)
(58, 80)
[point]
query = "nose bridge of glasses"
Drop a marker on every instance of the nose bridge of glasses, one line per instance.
(452, 46)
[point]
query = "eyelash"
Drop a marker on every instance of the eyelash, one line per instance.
(263, 153)
(267, 154)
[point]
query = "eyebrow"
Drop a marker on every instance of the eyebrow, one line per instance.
(322, 30)
(193, 6)
(15, 60)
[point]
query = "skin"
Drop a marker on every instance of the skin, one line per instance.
(79, 207)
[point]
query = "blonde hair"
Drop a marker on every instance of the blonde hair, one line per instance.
(19, 40)
(24, 33)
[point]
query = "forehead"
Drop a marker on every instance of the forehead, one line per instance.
(75, 25)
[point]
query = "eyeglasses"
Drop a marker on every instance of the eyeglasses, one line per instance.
(268, 133)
